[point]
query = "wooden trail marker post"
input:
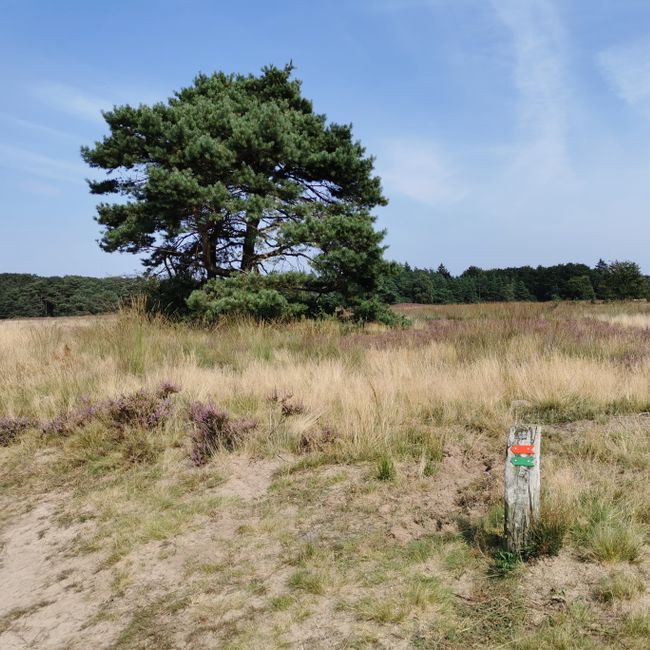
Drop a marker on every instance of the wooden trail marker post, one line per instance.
(522, 485)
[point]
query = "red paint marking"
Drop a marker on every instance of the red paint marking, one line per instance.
(523, 449)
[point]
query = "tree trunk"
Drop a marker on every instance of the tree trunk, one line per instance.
(248, 248)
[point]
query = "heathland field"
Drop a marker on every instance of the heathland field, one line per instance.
(320, 485)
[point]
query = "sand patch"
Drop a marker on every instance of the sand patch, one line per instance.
(249, 478)
(50, 597)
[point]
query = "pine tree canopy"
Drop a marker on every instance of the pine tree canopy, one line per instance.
(238, 174)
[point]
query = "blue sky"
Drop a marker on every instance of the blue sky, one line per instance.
(507, 132)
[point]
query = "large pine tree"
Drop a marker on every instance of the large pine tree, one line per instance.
(238, 174)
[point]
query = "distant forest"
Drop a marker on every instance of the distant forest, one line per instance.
(23, 295)
(606, 281)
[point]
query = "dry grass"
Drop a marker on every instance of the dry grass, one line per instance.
(372, 386)
(308, 544)
(641, 320)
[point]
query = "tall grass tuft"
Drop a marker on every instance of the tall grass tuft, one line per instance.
(609, 534)
(618, 585)
(549, 533)
(386, 469)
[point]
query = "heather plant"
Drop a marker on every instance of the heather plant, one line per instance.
(287, 407)
(69, 421)
(168, 388)
(214, 429)
(11, 428)
(292, 408)
(275, 397)
(137, 449)
(142, 408)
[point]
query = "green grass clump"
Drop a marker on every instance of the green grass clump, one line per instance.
(609, 533)
(616, 541)
(418, 550)
(565, 630)
(638, 625)
(308, 581)
(424, 591)
(302, 552)
(548, 534)
(282, 602)
(380, 610)
(457, 558)
(386, 469)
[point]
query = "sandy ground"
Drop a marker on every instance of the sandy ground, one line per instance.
(51, 596)
(215, 581)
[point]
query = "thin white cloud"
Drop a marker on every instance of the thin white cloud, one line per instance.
(34, 126)
(71, 100)
(522, 171)
(418, 170)
(538, 51)
(30, 163)
(627, 68)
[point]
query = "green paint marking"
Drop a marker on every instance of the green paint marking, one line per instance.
(523, 461)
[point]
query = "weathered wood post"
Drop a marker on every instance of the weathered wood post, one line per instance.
(522, 485)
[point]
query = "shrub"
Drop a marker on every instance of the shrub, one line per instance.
(264, 297)
(170, 296)
(287, 407)
(284, 296)
(137, 448)
(374, 310)
(168, 388)
(214, 429)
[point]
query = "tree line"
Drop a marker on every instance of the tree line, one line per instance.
(23, 295)
(617, 280)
